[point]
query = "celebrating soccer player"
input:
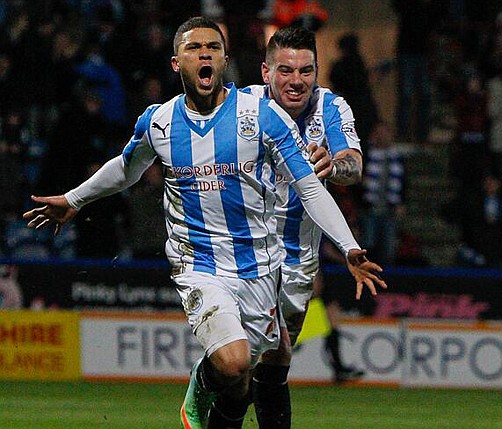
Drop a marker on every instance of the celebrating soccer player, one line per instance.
(290, 73)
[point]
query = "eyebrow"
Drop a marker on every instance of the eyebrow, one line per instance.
(302, 69)
(210, 44)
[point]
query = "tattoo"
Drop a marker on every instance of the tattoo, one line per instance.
(347, 171)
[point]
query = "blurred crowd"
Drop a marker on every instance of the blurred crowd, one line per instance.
(75, 75)
(467, 76)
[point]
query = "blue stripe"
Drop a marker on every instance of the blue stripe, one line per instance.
(280, 133)
(181, 155)
(299, 168)
(260, 162)
(225, 140)
(291, 234)
(142, 126)
(335, 136)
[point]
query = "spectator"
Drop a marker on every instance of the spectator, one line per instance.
(410, 251)
(11, 295)
(148, 233)
(494, 90)
(305, 13)
(418, 20)
(495, 112)
(66, 54)
(480, 218)
(151, 93)
(383, 194)
(470, 157)
(478, 23)
(154, 65)
(246, 36)
(116, 44)
(28, 40)
(14, 137)
(81, 137)
(106, 82)
(7, 88)
(349, 78)
(101, 225)
(16, 41)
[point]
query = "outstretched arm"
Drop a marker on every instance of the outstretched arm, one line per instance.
(327, 215)
(325, 212)
(111, 178)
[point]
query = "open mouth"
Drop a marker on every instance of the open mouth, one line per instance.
(205, 75)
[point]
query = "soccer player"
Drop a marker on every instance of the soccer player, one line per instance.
(219, 149)
(290, 73)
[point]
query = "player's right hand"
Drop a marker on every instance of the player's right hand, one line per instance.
(321, 159)
(55, 210)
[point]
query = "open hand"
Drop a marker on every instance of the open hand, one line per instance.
(364, 272)
(55, 209)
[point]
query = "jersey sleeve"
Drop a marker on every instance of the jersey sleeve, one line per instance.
(120, 172)
(288, 150)
(324, 211)
(340, 125)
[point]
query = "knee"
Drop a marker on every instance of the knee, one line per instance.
(232, 362)
(235, 369)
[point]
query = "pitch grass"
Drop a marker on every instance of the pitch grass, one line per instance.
(34, 405)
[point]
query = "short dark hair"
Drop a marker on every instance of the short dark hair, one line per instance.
(293, 37)
(195, 22)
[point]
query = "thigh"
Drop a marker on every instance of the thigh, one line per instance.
(258, 305)
(212, 309)
(294, 295)
(222, 310)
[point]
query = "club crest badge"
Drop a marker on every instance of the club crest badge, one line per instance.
(194, 301)
(247, 126)
(315, 128)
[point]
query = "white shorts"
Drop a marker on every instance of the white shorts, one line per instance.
(222, 310)
(294, 296)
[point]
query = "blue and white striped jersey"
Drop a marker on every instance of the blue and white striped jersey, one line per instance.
(328, 121)
(219, 181)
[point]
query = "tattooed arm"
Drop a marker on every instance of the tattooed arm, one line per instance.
(347, 167)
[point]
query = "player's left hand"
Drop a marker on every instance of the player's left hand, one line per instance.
(364, 272)
(320, 157)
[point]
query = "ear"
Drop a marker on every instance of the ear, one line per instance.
(175, 64)
(265, 70)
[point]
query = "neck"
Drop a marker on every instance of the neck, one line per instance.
(295, 114)
(205, 103)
